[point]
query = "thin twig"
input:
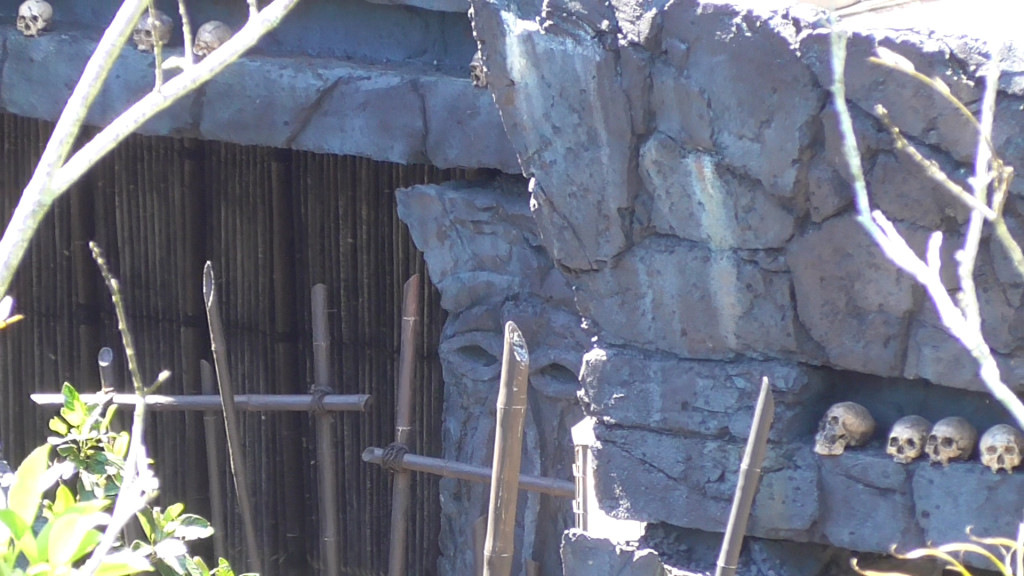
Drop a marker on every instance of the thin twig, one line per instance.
(254, 8)
(186, 34)
(899, 252)
(51, 179)
(132, 497)
(39, 193)
(931, 168)
(155, 25)
(967, 256)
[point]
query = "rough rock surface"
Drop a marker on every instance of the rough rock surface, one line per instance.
(386, 82)
(482, 252)
(687, 180)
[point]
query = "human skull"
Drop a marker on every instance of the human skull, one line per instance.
(477, 71)
(845, 424)
(34, 16)
(152, 29)
(907, 438)
(951, 438)
(210, 36)
(1001, 447)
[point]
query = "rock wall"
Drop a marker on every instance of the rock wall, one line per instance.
(686, 180)
(483, 253)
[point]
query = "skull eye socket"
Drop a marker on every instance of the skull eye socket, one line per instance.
(894, 442)
(1010, 451)
(147, 34)
(833, 420)
(991, 450)
(911, 443)
(35, 18)
(946, 443)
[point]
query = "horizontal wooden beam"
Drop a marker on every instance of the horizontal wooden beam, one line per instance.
(246, 402)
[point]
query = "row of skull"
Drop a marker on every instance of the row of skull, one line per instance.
(848, 424)
(34, 16)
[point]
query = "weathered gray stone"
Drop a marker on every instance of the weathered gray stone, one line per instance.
(689, 482)
(949, 500)
(482, 252)
(859, 487)
(762, 99)
(583, 555)
(697, 198)
(637, 389)
(691, 300)
(851, 299)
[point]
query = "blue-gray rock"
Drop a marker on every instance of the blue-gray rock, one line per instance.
(583, 555)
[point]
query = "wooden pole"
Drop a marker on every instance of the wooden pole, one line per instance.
(326, 466)
(746, 486)
(508, 445)
(400, 492)
(105, 360)
(213, 462)
(471, 473)
(213, 403)
(236, 455)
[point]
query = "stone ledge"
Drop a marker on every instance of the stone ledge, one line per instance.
(321, 105)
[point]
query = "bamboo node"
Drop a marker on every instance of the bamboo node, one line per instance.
(393, 455)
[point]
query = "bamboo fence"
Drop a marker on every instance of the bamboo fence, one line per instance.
(273, 222)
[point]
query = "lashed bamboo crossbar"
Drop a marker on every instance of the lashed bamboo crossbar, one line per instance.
(472, 473)
(211, 403)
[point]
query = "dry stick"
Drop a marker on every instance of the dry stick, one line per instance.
(211, 426)
(400, 492)
(39, 193)
(326, 465)
(236, 456)
(51, 179)
(472, 473)
(212, 402)
(888, 239)
(508, 453)
(746, 486)
(186, 34)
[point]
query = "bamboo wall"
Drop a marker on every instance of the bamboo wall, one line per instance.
(273, 222)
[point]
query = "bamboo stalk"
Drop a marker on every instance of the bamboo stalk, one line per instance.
(212, 402)
(213, 463)
(479, 537)
(236, 456)
(472, 473)
(326, 466)
(400, 492)
(746, 486)
(508, 447)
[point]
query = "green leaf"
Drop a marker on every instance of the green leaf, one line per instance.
(121, 443)
(74, 410)
(190, 527)
(62, 500)
(58, 425)
(111, 411)
(201, 566)
(123, 564)
(29, 483)
(11, 525)
(173, 511)
(145, 517)
(224, 568)
(70, 533)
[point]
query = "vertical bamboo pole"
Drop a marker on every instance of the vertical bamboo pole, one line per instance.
(403, 422)
(105, 360)
(326, 466)
(236, 456)
(213, 462)
(508, 445)
(746, 486)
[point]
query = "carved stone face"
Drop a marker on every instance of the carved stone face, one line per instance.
(951, 438)
(210, 36)
(1001, 448)
(149, 31)
(845, 424)
(907, 438)
(477, 71)
(34, 16)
